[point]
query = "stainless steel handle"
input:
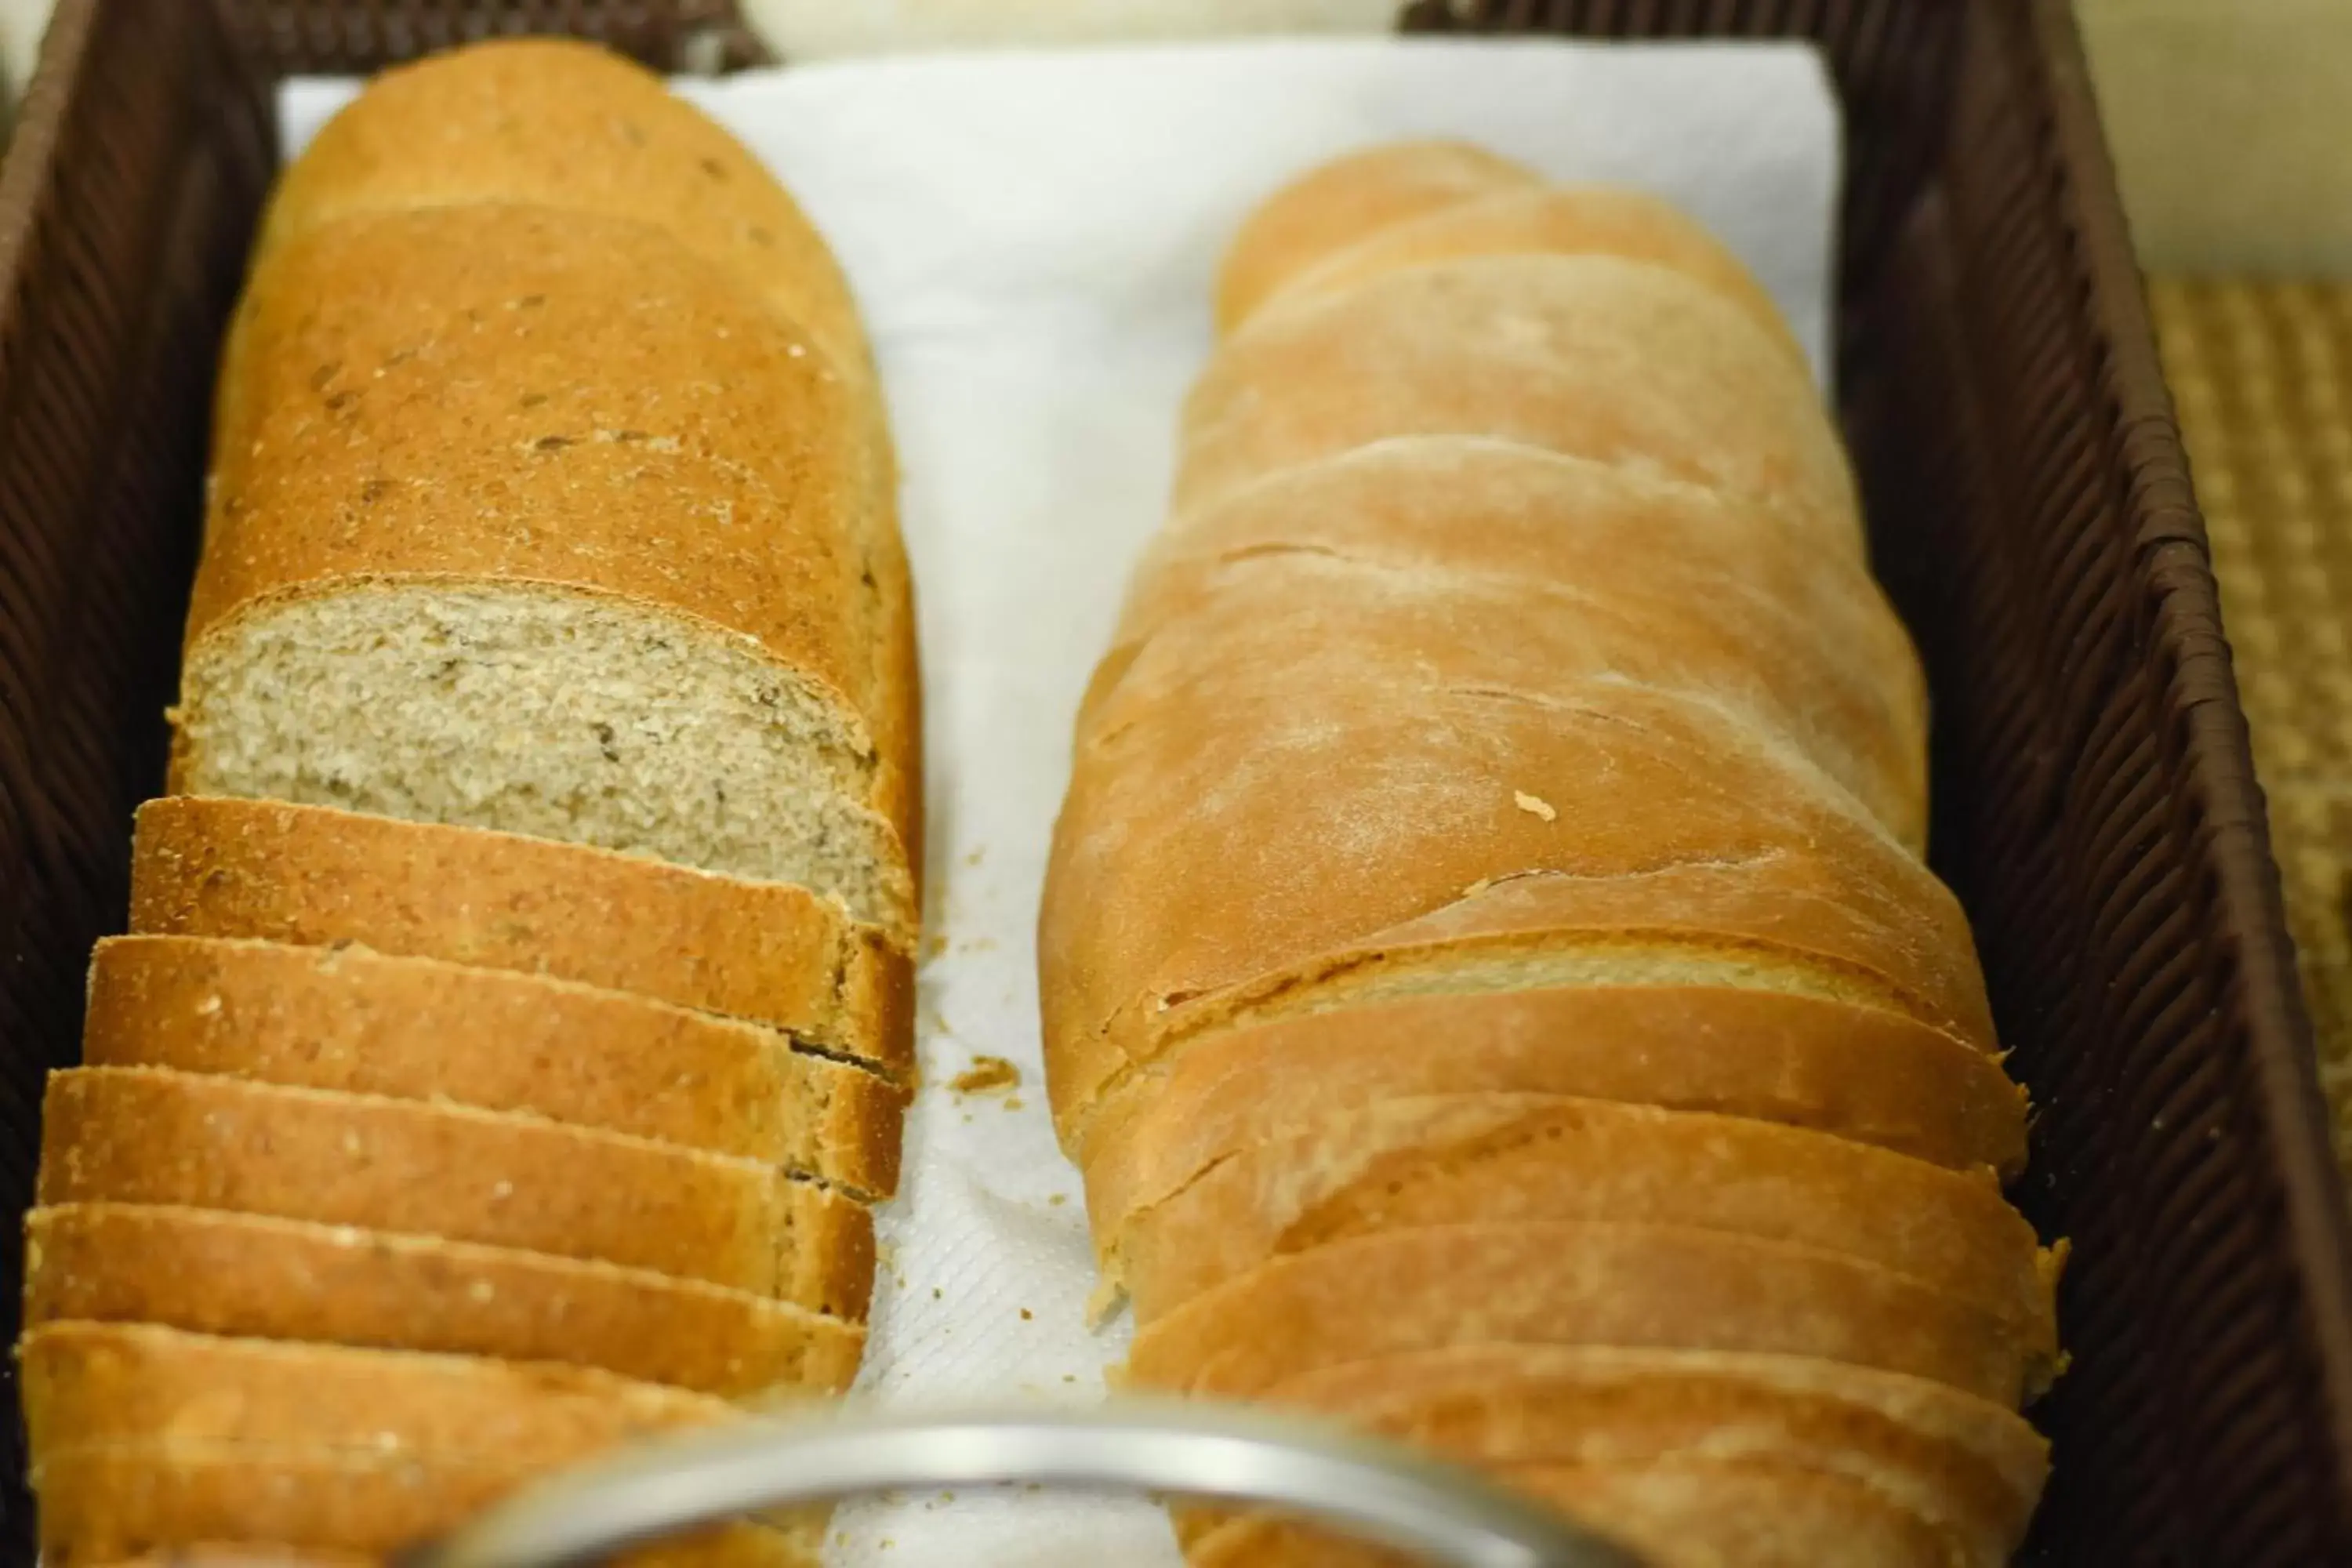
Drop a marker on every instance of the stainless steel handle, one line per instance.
(1374, 1491)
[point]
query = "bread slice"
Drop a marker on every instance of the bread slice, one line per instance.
(531, 520)
(1466, 839)
(1503, 566)
(1853, 1071)
(1676, 1514)
(1591, 355)
(1339, 204)
(1407, 1164)
(149, 1435)
(746, 1546)
(250, 1276)
(155, 1136)
(1576, 1283)
(134, 1502)
(1969, 1468)
(1549, 220)
(763, 951)
(405, 1028)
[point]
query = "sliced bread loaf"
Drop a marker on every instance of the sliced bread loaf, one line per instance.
(532, 521)
(1407, 1164)
(252, 1275)
(1577, 1283)
(408, 1029)
(765, 952)
(155, 1136)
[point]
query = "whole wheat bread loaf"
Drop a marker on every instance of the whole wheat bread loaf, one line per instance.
(520, 1016)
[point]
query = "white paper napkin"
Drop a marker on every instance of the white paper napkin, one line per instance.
(1033, 237)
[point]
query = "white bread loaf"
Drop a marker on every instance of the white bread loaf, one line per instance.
(1490, 980)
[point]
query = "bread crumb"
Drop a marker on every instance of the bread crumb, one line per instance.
(935, 944)
(1057, 1200)
(978, 854)
(987, 1074)
(1014, 1102)
(1536, 805)
(1027, 1315)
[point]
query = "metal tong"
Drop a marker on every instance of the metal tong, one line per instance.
(1372, 1491)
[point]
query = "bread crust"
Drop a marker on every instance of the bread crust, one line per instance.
(311, 877)
(1591, 355)
(1677, 1513)
(406, 1029)
(1854, 1072)
(1414, 1164)
(1635, 1286)
(154, 1136)
(1338, 204)
(250, 1276)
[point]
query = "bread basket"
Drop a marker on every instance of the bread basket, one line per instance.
(2032, 513)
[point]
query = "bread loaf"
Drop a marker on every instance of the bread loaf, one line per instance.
(1490, 980)
(517, 1019)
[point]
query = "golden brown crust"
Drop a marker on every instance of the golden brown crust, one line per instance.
(1526, 1404)
(1589, 355)
(1549, 220)
(253, 1277)
(406, 1029)
(90, 1384)
(557, 401)
(1967, 1467)
(103, 1505)
(766, 951)
(1633, 1286)
(149, 1135)
(564, 124)
(149, 1437)
(1678, 1514)
(1513, 569)
(1414, 1164)
(1196, 885)
(1855, 1072)
(1339, 204)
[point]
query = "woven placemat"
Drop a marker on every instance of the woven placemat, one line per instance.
(2259, 373)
